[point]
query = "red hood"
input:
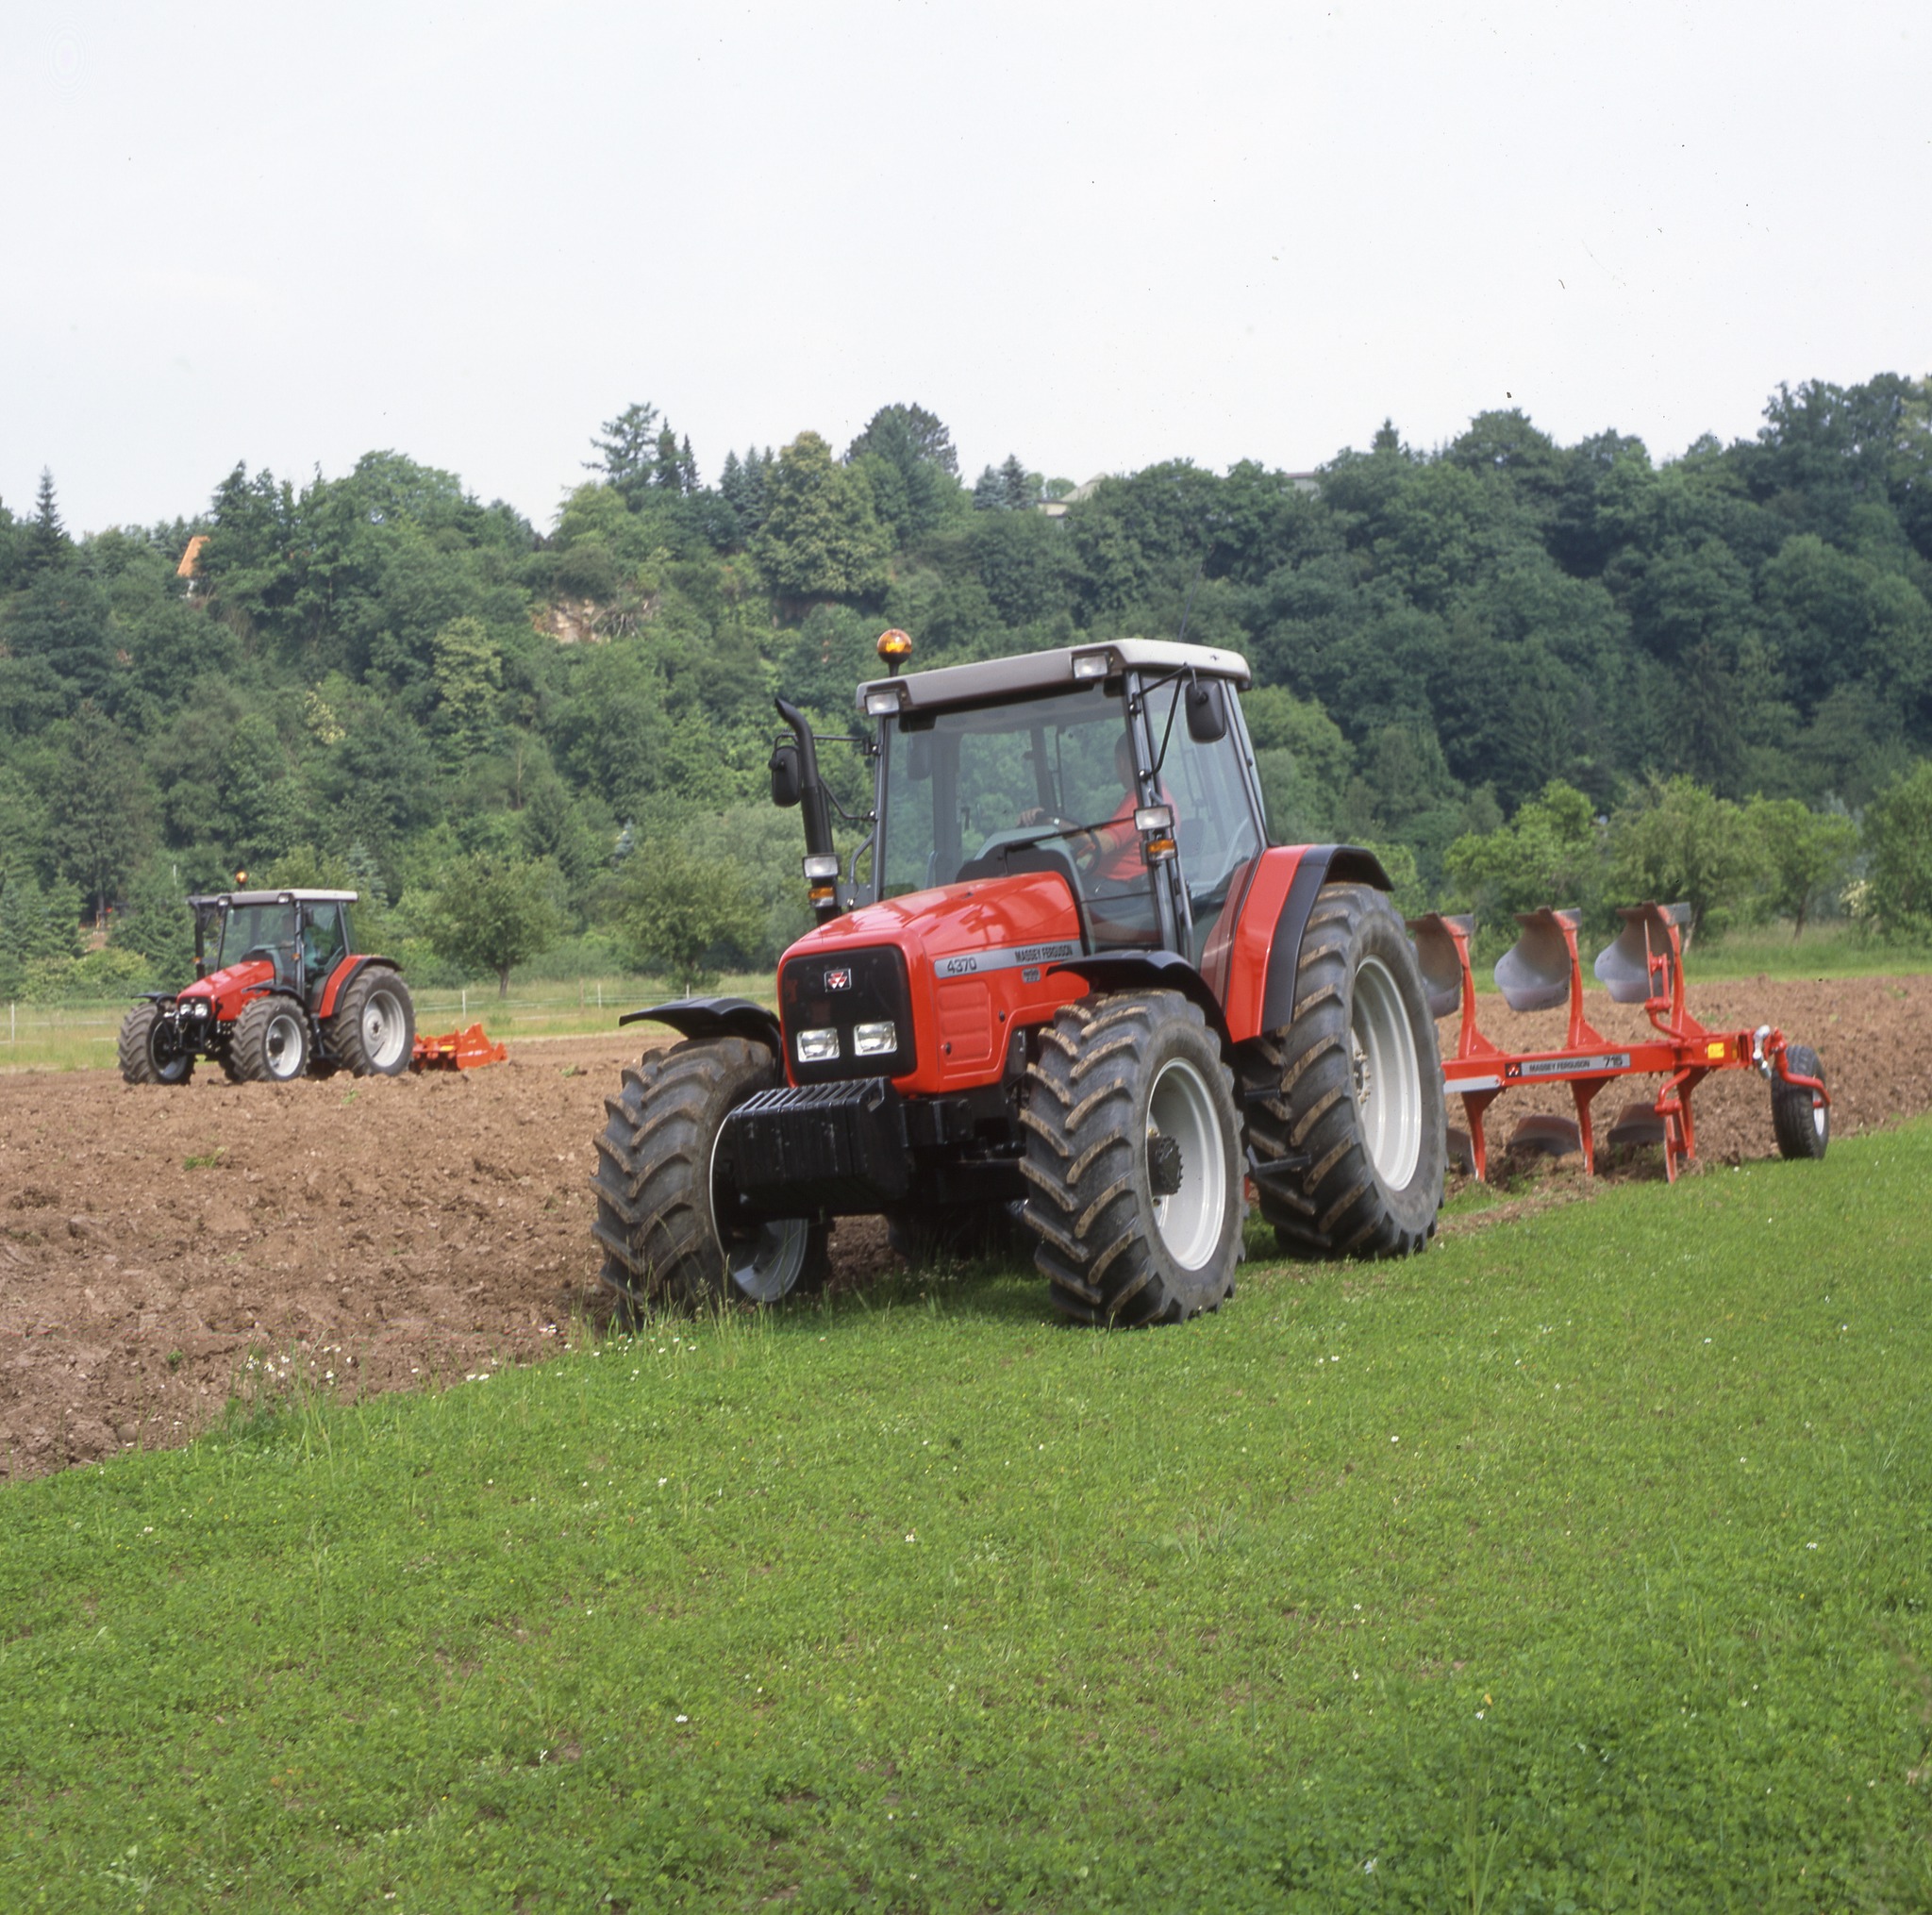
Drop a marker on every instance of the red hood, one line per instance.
(231, 978)
(961, 919)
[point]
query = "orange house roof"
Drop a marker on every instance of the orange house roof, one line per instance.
(186, 568)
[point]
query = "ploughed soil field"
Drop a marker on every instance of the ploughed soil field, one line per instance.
(164, 1251)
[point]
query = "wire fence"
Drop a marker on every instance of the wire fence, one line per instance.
(37, 1034)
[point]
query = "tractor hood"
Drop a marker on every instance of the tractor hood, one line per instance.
(228, 987)
(961, 929)
(952, 973)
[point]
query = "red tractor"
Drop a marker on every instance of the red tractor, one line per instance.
(1076, 987)
(287, 997)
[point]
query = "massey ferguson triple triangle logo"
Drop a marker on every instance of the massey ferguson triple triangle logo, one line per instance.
(838, 980)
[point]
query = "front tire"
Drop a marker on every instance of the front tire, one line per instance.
(373, 1029)
(1133, 1150)
(657, 1219)
(1353, 1089)
(146, 1056)
(270, 1043)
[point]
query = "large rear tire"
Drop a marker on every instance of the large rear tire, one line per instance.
(656, 1217)
(1799, 1120)
(1353, 1089)
(270, 1043)
(1133, 1151)
(374, 1030)
(145, 1055)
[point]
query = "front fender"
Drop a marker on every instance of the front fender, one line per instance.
(1132, 969)
(715, 1017)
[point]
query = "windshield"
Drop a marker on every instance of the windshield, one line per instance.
(269, 929)
(1040, 784)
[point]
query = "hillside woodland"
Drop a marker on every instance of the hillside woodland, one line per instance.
(1528, 672)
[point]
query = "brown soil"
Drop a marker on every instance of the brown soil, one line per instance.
(161, 1251)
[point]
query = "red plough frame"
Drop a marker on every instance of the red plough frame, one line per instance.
(1645, 965)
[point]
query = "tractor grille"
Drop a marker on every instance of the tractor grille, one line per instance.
(837, 1148)
(838, 991)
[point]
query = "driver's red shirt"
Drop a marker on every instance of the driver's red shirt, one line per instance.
(1119, 837)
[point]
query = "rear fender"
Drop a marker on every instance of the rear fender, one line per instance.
(715, 1017)
(339, 980)
(1265, 951)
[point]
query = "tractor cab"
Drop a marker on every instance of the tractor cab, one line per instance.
(304, 935)
(1125, 770)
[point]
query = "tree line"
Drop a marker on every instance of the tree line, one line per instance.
(1495, 658)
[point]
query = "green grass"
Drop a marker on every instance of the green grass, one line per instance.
(81, 1036)
(1828, 950)
(1583, 1563)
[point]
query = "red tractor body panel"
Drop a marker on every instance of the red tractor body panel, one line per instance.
(230, 988)
(979, 960)
(1236, 961)
(339, 978)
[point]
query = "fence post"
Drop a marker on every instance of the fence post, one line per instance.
(466, 1004)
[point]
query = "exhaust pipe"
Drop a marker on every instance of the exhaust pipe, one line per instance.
(816, 804)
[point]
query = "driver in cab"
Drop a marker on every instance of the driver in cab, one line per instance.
(1112, 851)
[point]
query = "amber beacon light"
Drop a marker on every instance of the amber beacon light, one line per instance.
(896, 647)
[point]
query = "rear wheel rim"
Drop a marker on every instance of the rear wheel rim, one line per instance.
(765, 1265)
(1387, 1075)
(1181, 1107)
(382, 1028)
(282, 1046)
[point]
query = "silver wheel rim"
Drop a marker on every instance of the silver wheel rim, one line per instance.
(282, 1045)
(383, 1029)
(765, 1269)
(1818, 1110)
(1387, 1075)
(1181, 1107)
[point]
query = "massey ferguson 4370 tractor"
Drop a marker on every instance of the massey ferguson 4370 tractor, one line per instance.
(288, 995)
(1076, 984)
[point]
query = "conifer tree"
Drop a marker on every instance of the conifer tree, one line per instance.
(47, 542)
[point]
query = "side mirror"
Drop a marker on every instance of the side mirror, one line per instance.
(785, 782)
(1206, 711)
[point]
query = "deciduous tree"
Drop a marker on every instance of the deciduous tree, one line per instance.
(494, 914)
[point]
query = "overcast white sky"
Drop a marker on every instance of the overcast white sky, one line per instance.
(1095, 235)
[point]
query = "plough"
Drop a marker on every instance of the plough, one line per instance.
(467, 1050)
(1643, 965)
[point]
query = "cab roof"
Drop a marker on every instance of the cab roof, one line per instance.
(225, 901)
(993, 679)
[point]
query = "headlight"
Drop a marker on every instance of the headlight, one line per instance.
(817, 1047)
(875, 1039)
(821, 864)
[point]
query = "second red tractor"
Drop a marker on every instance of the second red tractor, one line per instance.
(289, 996)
